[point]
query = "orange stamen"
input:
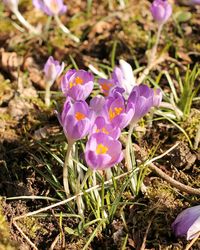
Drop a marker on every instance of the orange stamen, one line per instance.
(79, 116)
(78, 80)
(114, 113)
(101, 149)
(103, 130)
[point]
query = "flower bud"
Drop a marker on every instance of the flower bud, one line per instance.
(161, 10)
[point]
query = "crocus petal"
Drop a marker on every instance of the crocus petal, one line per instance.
(161, 10)
(50, 7)
(187, 223)
(76, 119)
(77, 84)
(100, 153)
(52, 69)
(97, 103)
(123, 77)
(140, 101)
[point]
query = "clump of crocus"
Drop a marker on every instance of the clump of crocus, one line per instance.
(161, 11)
(52, 70)
(13, 6)
(106, 116)
(77, 84)
(55, 8)
(187, 223)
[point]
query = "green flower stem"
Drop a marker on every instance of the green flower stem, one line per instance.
(65, 168)
(155, 47)
(66, 30)
(128, 155)
(26, 24)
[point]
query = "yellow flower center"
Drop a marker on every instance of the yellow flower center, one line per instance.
(101, 149)
(79, 116)
(78, 80)
(106, 86)
(114, 112)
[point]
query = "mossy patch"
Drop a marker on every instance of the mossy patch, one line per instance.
(5, 242)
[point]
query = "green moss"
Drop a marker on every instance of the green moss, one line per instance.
(58, 41)
(32, 227)
(191, 124)
(6, 25)
(5, 242)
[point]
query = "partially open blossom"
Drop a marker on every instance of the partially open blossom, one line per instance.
(187, 223)
(161, 10)
(102, 151)
(77, 84)
(141, 101)
(106, 85)
(76, 119)
(50, 7)
(52, 69)
(101, 126)
(12, 4)
(123, 77)
(115, 111)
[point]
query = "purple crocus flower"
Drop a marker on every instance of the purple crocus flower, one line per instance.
(161, 10)
(12, 4)
(52, 69)
(123, 77)
(194, 2)
(101, 126)
(106, 85)
(115, 111)
(140, 101)
(187, 223)
(51, 7)
(102, 151)
(77, 84)
(76, 119)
